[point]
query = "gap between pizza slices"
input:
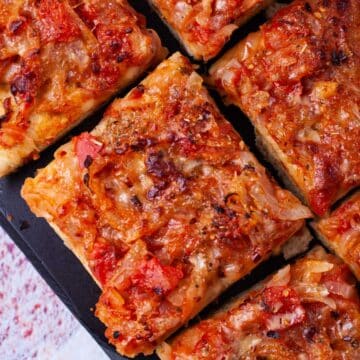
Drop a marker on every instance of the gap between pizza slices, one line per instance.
(59, 61)
(164, 205)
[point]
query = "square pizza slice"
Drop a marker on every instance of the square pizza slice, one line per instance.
(165, 206)
(307, 310)
(59, 61)
(204, 26)
(298, 80)
(340, 232)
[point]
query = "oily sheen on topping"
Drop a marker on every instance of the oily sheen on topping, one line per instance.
(165, 206)
(60, 60)
(308, 310)
(298, 80)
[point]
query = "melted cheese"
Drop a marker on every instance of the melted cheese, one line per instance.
(175, 184)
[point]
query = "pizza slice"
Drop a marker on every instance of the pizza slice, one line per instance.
(59, 61)
(298, 80)
(307, 310)
(204, 26)
(340, 232)
(165, 206)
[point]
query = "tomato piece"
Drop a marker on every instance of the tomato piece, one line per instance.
(213, 343)
(320, 201)
(283, 308)
(284, 29)
(103, 260)
(86, 147)
(339, 273)
(201, 33)
(57, 23)
(280, 299)
(344, 226)
(156, 277)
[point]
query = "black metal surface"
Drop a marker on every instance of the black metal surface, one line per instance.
(57, 265)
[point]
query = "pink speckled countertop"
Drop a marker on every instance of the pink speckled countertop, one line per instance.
(34, 324)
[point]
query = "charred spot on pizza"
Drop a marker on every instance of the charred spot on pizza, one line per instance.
(158, 165)
(309, 333)
(138, 91)
(307, 7)
(273, 334)
(256, 257)
(142, 143)
(136, 201)
(88, 161)
(23, 85)
(338, 57)
(96, 67)
(353, 342)
(342, 5)
(17, 25)
(7, 110)
(86, 179)
(219, 209)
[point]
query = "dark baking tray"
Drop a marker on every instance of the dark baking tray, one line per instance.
(57, 265)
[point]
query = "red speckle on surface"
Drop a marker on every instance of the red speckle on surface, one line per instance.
(36, 307)
(28, 333)
(10, 247)
(29, 310)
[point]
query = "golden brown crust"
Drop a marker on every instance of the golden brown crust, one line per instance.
(59, 61)
(340, 232)
(298, 79)
(309, 309)
(204, 26)
(165, 203)
(75, 249)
